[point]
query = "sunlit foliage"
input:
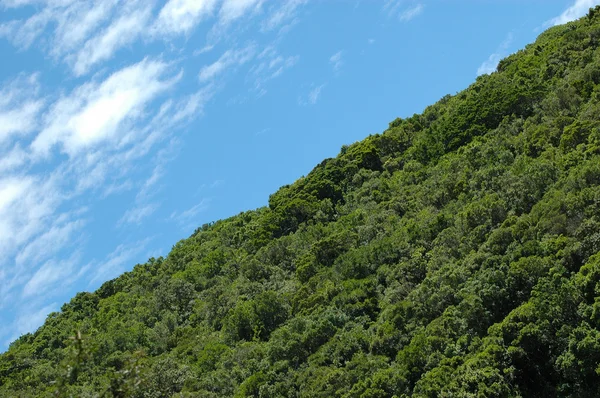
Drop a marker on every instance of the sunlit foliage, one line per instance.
(454, 255)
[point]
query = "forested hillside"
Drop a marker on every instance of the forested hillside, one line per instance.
(453, 255)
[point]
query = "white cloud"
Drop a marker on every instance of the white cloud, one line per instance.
(282, 64)
(19, 107)
(395, 8)
(18, 3)
(228, 59)
(180, 16)
(172, 114)
(120, 33)
(192, 212)
(49, 275)
(27, 210)
(24, 33)
(86, 34)
(105, 127)
(114, 263)
(32, 318)
(234, 9)
(82, 34)
(192, 105)
(412, 12)
(578, 9)
(33, 228)
(25, 204)
(96, 112)
(12, 159)
(48, 243)
(216, 183)
(489, 65)
(336, 61)
(97, 133)
(77, 22)
(313, 95)
(137, 214)
(19, 120)
(205, 49)
(74, 21)
(271, 65)
(188, 218)
(282, 14)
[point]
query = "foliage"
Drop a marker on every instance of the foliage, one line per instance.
(454, 255)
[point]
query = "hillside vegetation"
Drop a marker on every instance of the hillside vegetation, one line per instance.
(454, 255)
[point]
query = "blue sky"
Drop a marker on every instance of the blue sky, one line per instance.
(124, 125)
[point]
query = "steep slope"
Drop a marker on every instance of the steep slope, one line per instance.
(454, 255)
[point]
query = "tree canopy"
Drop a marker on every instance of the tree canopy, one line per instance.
(456, 254)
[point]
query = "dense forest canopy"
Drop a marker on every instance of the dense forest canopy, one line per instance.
(453, 255)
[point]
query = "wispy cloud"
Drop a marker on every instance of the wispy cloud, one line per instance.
(61, 233)
(576, 10)
(51, 274)
(137, 214)
(235, 9)
(76, 31)
(19, 119)
(95, 112)
(262, 132)
(13, 158)
(145, 204)
(336, 61)
(229, 59)
(19, 110)
(271, 64)
(26, 202)
(397, 8)
(23, 33)
(115, 262)
(410, 13)
(233, 15)
(33, 231)
(87, 34)
(490, 64)
(123, 31)
(29, 319)
(203, 188)
(104, 128)
(313, 95)
(187, 219)
(76, 22)
(181, 16)
(100, 130)
(283, 14)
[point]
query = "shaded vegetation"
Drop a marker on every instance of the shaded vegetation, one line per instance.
(454, 255)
